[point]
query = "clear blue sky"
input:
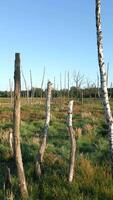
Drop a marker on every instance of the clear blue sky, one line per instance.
(59, 34)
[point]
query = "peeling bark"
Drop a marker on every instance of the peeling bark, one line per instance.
(39, 158)
(73, 142)
(103, 77)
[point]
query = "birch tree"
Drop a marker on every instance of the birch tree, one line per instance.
(103, 78)
(16, 129)
(73, 142)
(39, 158)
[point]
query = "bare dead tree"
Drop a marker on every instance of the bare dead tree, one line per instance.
(54, 83)
(54, 88)
(65, 79)
(82, 96)
(93, 86)
(110, 95)
(16, 128)
(11, 91)
(68, 77)
(8, 194)
(39, 157)
(11, 141)
(78, 80)
(98, 86)
(88, 83)
(103, 77)
(31, 85)
(107, 74)
(26, 87)
(73, 142)
(61, 91)
(42, 83)
(65, 82)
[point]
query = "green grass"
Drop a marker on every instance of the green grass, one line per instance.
(92, 180)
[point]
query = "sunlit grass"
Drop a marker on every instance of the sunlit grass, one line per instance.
(92, 179)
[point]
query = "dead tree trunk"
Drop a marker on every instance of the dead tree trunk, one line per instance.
(8, 194)
(43, 77)
(11, 142)
(31, 86)
(26, 88)
(107, 75)
(103, 77)
(61, 102)
(73, 142)
(11, 93)
(40, 155)
(16, 129)
(98, 86)
(68, 76)
(54, 87)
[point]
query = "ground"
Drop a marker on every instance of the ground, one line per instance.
(92, 178)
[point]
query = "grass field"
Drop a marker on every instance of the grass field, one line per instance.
(92, 180)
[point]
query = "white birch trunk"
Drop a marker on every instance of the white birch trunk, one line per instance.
(73, 142)
(11, 142)
(103, 77)
(40, 155)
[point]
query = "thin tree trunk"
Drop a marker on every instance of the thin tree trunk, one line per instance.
(31, 86)
(61, 103)
(11, 93)
(8, 194)
(98, 86)
(65, 82)
(11, 142)
(73, 142)
(82, 95)
(68, 85)
(107, 75)
(42, 148)
(43, 77)
(26, 88)
(54, 87)
(103, 77)
(16, 131)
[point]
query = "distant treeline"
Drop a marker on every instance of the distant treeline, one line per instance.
(73, 92)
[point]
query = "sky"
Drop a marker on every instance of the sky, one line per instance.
(57, 34)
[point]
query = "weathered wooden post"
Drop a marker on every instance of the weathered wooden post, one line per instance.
(40, 155)
(16, 128)
(73, 142)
